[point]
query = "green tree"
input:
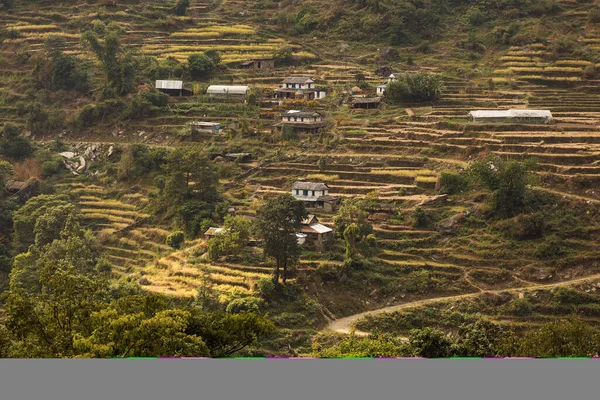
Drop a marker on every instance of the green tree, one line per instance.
(181, 7)
(213, 55)
(430, 343)
(509, 198)
(555, 339)
(479, 339)
(353, 211)
(227, 334)
(283, 56)
(118, 66)
(13, 145)
(175, 239)
(25, 218)
(278, 221)
(5, 170)
(232, 240)
(421, 86)
(200, 65)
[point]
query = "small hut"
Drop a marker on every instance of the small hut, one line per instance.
(258, 63)
(172, 88)
(365, 102)
(226, 91)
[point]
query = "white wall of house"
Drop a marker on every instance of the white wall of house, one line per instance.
(308, 195)
(380, 91)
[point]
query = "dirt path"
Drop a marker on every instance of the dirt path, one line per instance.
(346, 324)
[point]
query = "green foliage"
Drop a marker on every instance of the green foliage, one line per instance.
(200, 65)
(13, 145)
(552, 248)
(244, 304)
(420, 86)
(506, 179)
(232, 241)
(118, 66)
(556, 339)
(353, 211)
(479, 339)
(25, 218)
(451, 183)
(213, 55)
(56, 70)
(267, 288)
(181, 7)
(175, 240)
(277, 221)
(376, 345)
(420, 219)
(430, 343)
(227, 334)
(139, 160)
(283, 56)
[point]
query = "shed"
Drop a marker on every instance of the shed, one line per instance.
(228, 91)
(259, 63)
(522, 116)
(172, 88)
(198, 128)
(315, 231)
(365, 102)
(381, 89)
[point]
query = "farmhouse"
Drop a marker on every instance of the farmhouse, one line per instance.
(259, 63)
(315, 195)
(230, 92)
(198, 128)
(309, 122)
(314, 231)
(172, 88)
(365, 102)
(511, 116)
(381, 88)
(299, 87)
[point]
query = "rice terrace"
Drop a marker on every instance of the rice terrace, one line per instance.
(299, 178)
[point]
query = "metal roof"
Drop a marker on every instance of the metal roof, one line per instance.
(320, 228)
(175, 85)
(300, 113)
(511, 114)
(224, 89)
(310, 186)
(213, 231)
(298, 79)
(357, 100)
(210, 124)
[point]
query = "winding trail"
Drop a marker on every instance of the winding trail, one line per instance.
(346, 324)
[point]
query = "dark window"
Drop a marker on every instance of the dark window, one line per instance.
(306, 192)
(313, 192)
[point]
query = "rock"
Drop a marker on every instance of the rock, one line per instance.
(344, 47)
(144, 282)
(521, 295)
(110, 150)
(81, 164)
(67, 154)
(450, 225)
(543, 275)
(383, 70)
(435, 200)
(476, 211)
(389, 53)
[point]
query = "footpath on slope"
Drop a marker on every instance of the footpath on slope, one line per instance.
(346, 324)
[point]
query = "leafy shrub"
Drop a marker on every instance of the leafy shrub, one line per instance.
(51, 167)
(175, 239)
(200, 65)
(13, 145)
(245, 304)
(551, 248)
(420, 219)
(594, 16)
(519, 307)
(420, 86)
(266, 287)
(451, 183)
(181, 7)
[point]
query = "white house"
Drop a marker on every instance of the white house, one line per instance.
(310, 122)
(381, 89)
(522, 116)
(315, 195)
(299, 86)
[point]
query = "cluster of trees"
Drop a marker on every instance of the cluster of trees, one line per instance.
(352, 224)
(420, 86)
(507, 180)
(61, 302)
(562, 338)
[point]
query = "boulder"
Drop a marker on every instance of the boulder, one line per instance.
(435, 200)
(450, 225)
(389, 53)
(383, 70)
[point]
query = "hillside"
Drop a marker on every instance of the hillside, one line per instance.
(431, 240)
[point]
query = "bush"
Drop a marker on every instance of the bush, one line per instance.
(519, 307)
(200, 65)
(181, 7)
(246, 304)
(451, 183)
(420, 219)
(529, 226)
(594, 16)
(176, 239)
(551, 248)
(421, 86)
(266, 287)
(50, 168)
(13, 145)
